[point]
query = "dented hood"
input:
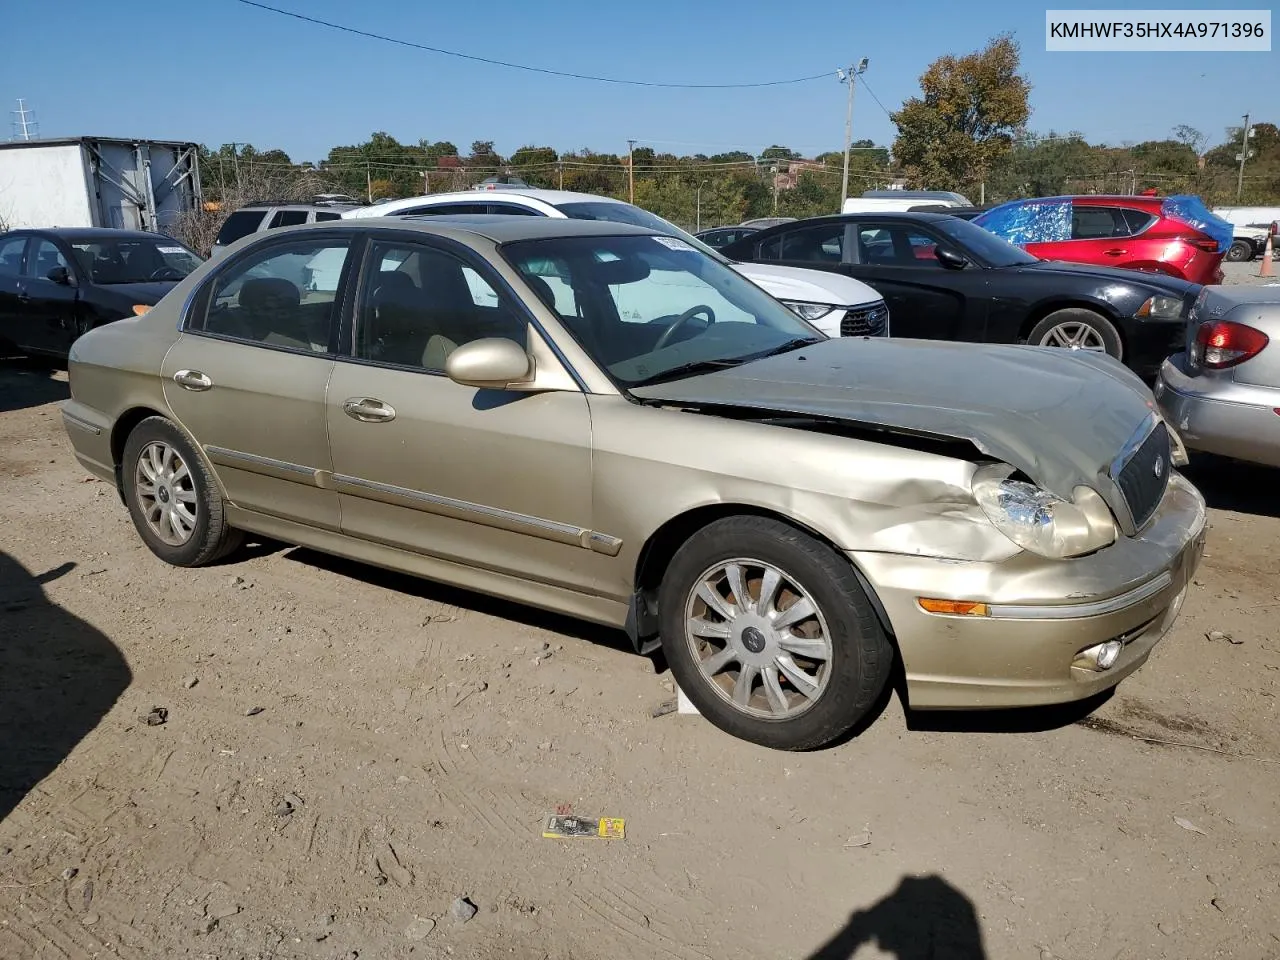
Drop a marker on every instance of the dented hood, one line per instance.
(1059, 416)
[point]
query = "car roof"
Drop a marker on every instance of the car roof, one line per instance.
(553, 197)
(496, 228)
(1100, 200)
(92, 233)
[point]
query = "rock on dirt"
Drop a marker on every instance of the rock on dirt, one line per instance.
(419, 928)
(463, 909)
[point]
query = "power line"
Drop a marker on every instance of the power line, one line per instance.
(874, 97)
(526, 67)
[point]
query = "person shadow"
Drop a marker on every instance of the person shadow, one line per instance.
(59, 676)
(925, 918)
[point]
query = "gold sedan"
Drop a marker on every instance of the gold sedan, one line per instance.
(603, 421)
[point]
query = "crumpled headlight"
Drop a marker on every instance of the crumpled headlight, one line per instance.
(808, 311)
(1162, 308)
(1040, 522)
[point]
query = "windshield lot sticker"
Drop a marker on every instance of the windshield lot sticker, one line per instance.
(673, 243)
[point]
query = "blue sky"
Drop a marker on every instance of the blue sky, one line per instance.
(217, 71)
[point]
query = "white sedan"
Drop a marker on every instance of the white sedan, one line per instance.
(837, 305)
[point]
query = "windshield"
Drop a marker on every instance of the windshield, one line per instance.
(992, 250)
(629, 213)
(647, 308)
(135, 260)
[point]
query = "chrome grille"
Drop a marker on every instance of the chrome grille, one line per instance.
(870, 321)
(1143, 477)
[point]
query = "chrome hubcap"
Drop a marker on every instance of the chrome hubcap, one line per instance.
(759, 639)
(1074, 336)
(166, 493)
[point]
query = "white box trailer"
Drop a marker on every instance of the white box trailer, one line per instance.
(97, 182)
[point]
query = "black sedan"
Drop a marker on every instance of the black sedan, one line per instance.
(945, 279)
(57, 284)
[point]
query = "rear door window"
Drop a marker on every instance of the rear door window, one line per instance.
(240, 224)
(322, 215)
(44, 257)
(821, 244)
(1098, 223)
(11, 255)
(512, 210)
(444, 210)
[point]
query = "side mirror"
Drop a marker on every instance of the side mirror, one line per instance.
(950, 259)
(493, 363)
(60, 275)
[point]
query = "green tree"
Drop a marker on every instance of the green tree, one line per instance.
(965, 120)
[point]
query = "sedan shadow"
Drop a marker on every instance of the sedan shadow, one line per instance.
(59, 677)
(454, 596)
(26, 382)
(1235, 485)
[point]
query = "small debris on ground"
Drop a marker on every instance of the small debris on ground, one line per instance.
(190, 682)
(419, 928)
(545, 745)
(1186, 824)
(254, 711)
(1216, 635)
(463, 909)
(69, 873)
(388, 864)
(662, 709)
(602, 828)
(862, 839)
(157, 716)
(284, 808)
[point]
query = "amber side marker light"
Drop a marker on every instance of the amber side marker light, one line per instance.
(956, 608)
(140, 308)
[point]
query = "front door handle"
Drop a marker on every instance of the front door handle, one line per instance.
(24, 297)
(1116, 253)
(368, 410)
(192, 380)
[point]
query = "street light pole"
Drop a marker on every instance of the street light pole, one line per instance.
(631, 171)
(849, 77)
(698, 206)
(1244, 153)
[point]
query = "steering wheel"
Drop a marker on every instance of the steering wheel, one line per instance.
(681, 320)
(166, 273)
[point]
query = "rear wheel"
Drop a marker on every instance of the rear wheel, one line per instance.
(769, 633)
(1076, 328)
(1240, 251)
(175, 505)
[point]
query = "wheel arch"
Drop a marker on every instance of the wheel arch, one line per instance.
(660, 548)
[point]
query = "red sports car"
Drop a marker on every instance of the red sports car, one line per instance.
(1172, 235)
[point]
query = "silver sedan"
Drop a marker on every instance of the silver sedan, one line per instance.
(1223, 392)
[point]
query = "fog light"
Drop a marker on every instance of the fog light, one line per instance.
(1099, 658)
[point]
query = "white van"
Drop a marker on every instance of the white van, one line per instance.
(900, 201)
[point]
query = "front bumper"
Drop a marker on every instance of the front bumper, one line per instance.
(1042, 613)
(1215, 414)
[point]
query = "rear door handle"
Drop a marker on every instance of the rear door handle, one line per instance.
(368, 410)
(1116, 253)
(192, 380)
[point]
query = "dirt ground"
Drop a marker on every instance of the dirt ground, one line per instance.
(347, 752)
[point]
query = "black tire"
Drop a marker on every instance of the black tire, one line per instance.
(1239, 251)
(861, 654)
(1070, 316)
(210, 538)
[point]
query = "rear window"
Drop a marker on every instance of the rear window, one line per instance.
(239, 224)
(322, 216)
(288, 218)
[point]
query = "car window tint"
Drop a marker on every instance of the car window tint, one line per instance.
(282, 296)
(288, 218)
(512, 210)
(1096, 223)
(11, 255)
(418, 304)
(443, 210)
(322, 215)
(897, 246)
(1137, 220)
(239, 224)
(770, 249)
(821, 244)
(44, 256)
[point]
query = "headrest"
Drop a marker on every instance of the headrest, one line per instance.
(268, 293)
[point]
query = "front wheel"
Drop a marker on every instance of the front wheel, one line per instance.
(1076, 328)
(175, 504)
(769, 633)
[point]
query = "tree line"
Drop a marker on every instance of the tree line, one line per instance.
(967, 130)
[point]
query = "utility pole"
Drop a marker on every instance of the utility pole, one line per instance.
(631, 171)
(560, 174)
(368, 179)
(775, 188)
(698, 206)
(235, 157)
(24, 125)
(1244, 155)
(850, 77)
